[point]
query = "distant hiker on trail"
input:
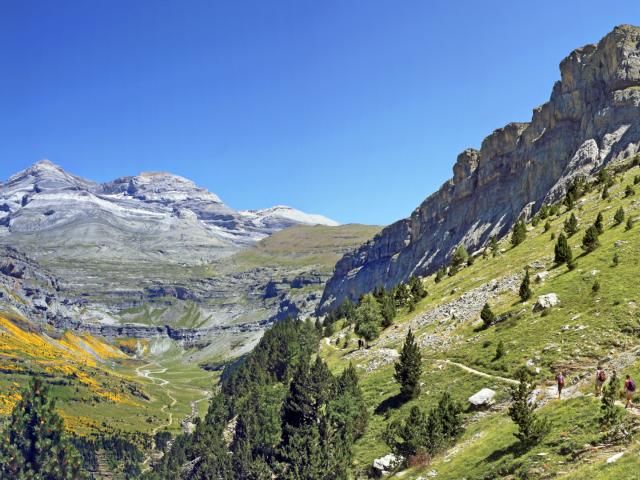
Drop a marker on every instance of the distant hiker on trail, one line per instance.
(560, 382)
(601, 376)
(629, 390)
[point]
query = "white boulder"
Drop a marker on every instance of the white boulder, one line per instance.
(384, 465)
(482, 398)
(546, 301)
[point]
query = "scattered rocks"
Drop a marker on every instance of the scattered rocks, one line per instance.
(546, 301)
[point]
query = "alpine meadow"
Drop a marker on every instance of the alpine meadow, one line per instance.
(151, 331)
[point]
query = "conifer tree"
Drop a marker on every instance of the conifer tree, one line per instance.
(440, 274)
(387, 308)
(409, 368)
(519, 233)
(629, 224)
(571, 225)
(590, 240)
(547, 226)
(599, 224)
(525, 287)
(531, 429)
(500, 350)
(368, 317)
(611, 413)
(616, 259)
(487, 315)
(495, 249)
(619, 216)
(35, 446)
(458, 259)
(563, 252)
(605, 193)
(417, 288)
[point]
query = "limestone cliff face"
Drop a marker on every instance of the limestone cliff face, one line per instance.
(591, 119)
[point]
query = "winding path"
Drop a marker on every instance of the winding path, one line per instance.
(161, 382)
(479, 373)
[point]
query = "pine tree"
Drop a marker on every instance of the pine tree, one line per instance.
(599, 224)
(440, 274)
(590, 240)
(547, 227)
(500, 350)
(629, 224)
(619, 216)
(458, 259)
(387, 308)
(595, 288)
(563, 252)
(35, 446)
(531, 429)
(525, 287)
(571, 225)
(487, 315)
(611, 413)
(409, 368)
(417, 288)
(368, 317)
(495, 249)
(605, 193)
(616, 259)
(519, 233)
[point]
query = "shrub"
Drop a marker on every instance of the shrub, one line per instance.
(590, 240)
(487, 315)
(595, 288)
(629, 191)
(619, 216)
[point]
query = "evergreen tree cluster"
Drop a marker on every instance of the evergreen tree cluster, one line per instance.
(277, 413)
(376, 310)
(425, 434)
(34, 445)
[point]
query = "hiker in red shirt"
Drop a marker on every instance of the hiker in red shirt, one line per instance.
(560, 382)
(629, 390)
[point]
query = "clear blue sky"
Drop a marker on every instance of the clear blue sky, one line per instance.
(352, 109)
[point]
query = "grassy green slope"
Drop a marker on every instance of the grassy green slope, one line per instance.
(301, 246)
(584, 328)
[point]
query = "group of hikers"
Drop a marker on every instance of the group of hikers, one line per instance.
(601, 377)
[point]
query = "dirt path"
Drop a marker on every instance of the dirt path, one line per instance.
(161, 382)
(479, 373)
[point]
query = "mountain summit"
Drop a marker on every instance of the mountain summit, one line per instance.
(145, 216)
(592, 119)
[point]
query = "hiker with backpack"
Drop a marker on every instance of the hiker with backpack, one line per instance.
(560, 382)
(629, 390)
(601, 377)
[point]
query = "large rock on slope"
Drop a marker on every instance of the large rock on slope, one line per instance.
(591, 119)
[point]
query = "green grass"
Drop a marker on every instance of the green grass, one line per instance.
(585, 328)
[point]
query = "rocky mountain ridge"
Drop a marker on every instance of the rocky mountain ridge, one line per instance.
(592, 119)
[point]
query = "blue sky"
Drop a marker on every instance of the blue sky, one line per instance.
(352, 109)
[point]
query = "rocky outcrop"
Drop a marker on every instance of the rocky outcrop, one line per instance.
(591, 119)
